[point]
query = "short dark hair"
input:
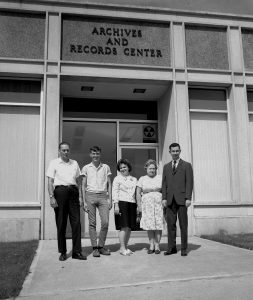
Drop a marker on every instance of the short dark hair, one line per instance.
(174, 145)
(63, 143)
(125, 162)
(95, 149)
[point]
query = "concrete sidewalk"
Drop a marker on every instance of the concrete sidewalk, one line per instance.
(210, 271)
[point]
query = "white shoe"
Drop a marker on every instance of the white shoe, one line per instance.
(124, 252)
(129, 251)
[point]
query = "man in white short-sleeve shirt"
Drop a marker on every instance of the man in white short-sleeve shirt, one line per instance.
(64, 188)
(97, 193)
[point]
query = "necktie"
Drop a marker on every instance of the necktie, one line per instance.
(174, 167)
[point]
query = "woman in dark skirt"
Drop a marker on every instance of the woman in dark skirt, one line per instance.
(123, 195)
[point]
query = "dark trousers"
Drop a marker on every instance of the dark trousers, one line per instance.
(172, 212)
(67, 198)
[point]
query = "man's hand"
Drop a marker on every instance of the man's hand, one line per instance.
(85, 206)
(53, 202)
(110, 204)
(80, 201)
(116, 209)
(164, 203)
(187, 203)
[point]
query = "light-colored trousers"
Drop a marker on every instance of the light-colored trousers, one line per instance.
(97, 201)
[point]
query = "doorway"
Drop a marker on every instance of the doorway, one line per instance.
(117, 132)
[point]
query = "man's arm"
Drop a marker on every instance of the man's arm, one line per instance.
(50, 188)
(84, 185)
(109, 188)
(164, 188)
(79, 184)
(188, 184)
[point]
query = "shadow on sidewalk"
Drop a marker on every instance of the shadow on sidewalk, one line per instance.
(137, 247)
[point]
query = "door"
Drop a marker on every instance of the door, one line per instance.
(82, 135)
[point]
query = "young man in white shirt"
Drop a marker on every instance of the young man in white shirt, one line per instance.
(64, 188)
(97, 193)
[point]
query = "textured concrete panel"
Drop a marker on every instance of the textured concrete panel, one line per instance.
(215, 6)
(108, 41)
(230, 225)
(22, 35)
(247, 42)
(19, 229)
(206, 47)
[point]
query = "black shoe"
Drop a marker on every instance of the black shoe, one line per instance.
(157, 251)
(151, 251)
(79, 255)
(170, 251)
(96, 253)
(63, 257)
(104, 251)
(183, 253)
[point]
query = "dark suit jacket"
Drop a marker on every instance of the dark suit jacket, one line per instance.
(179, 185)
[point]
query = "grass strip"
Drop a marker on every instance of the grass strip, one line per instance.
(15, 261)
(242, 240)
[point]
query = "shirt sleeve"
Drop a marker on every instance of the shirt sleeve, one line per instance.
(115, 189)
(140, 182)
(159, 179)
(51, 170)
(78, 172)
(108, 171)
(84, 171)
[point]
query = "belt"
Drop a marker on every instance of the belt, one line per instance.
(96, 193)
(66, 186)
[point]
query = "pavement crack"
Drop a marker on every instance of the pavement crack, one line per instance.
(148, 283)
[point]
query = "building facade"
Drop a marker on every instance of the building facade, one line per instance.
(132, 78)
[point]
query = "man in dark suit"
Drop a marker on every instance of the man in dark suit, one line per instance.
(177, 188)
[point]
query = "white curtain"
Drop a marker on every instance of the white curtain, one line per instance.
(210, 157)
(19, 158)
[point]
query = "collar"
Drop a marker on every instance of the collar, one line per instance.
(126, 177)
(93, 166)
(63, 162)
(177, 161)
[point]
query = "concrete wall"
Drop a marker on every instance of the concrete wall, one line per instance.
(243, 7)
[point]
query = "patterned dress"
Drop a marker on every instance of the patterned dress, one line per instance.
(151, 202)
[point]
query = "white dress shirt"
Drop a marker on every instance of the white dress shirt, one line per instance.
(63, 173)
(177, 162)
(96, 177)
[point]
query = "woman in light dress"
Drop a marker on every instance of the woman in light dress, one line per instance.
(123, 195)
(149, 199)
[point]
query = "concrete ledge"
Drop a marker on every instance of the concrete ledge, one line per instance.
(232, 225)
(15, 230)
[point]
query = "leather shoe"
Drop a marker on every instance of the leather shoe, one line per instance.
(79, 256)
(63, 257)
(183, 253)
(151, 251)
(96, 253)
(170, 251)
(104, 251)
(157, 251)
